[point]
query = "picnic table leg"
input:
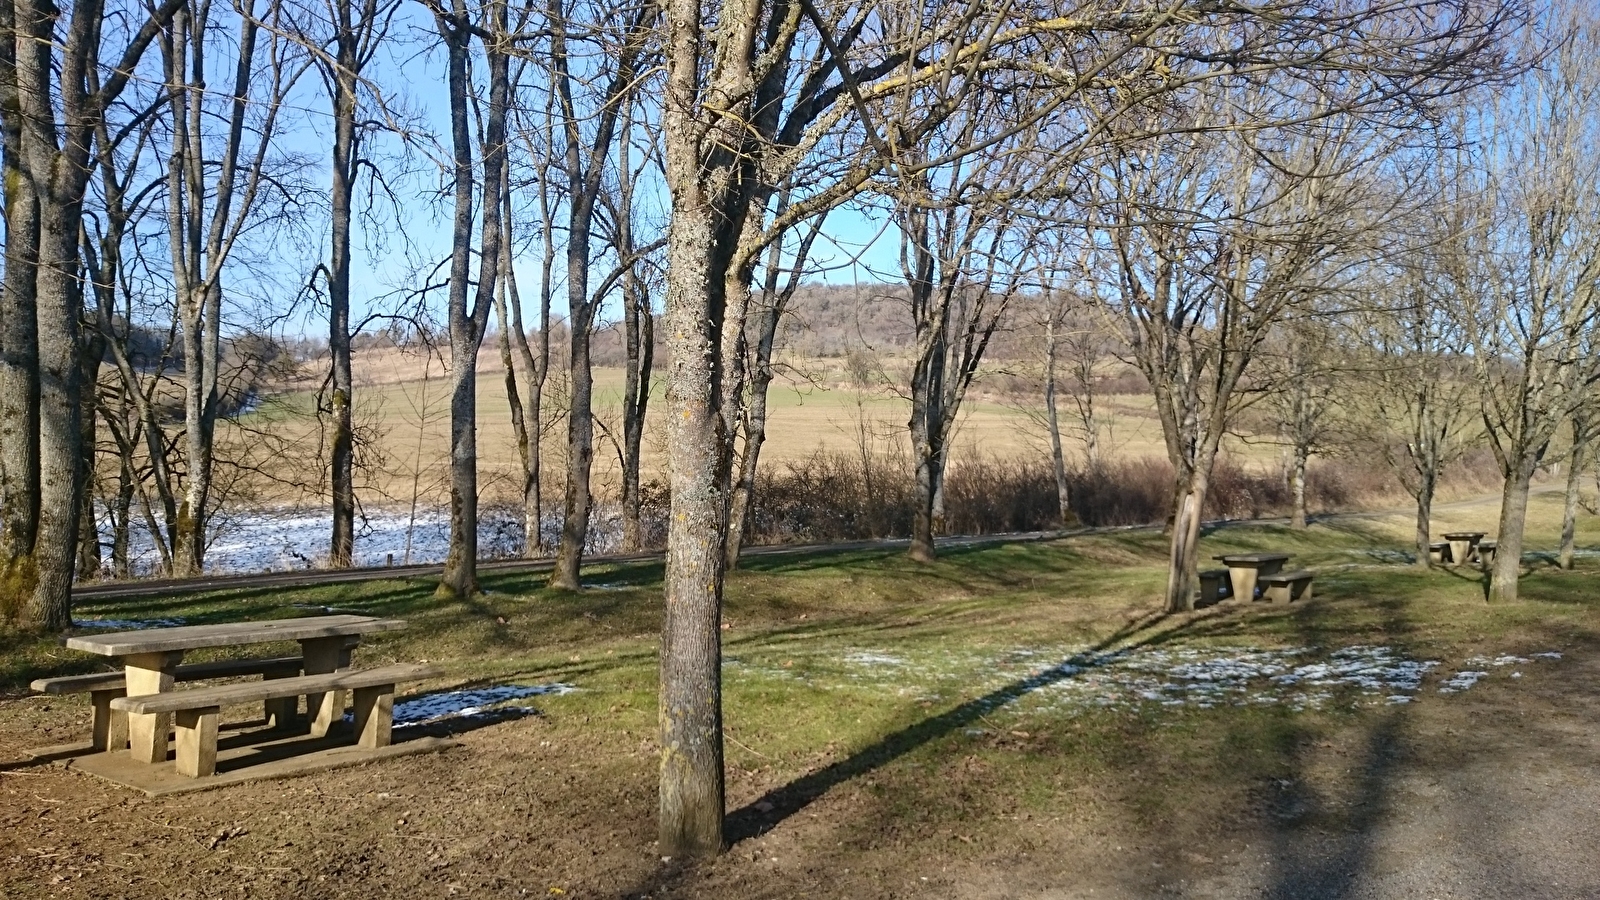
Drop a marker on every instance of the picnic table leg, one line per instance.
(321, 656)
(197, 742)
(1460, 552)
(149, 673)
(110, 725)
(374, 713)
(1244, 582)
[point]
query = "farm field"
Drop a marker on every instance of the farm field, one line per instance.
(402, 399)
(1016, 720)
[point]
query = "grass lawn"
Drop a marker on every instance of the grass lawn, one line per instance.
(1014, 720)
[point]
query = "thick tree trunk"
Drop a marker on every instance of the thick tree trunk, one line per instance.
(1513, 518)
(1183, 565)
(692, 789)
(460, 578)
(926, 486)
(19, 346)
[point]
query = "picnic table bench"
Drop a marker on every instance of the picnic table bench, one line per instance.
(151, 662)
(110, 726)
(1486, 552)
(1286, 587)
(1245, 569)
(198, 712)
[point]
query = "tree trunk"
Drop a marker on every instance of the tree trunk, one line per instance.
(19, 342)
(755, 434)
(1297, 485)
(640, 337)
(1513, 518)
(1183, 567)
(926, 485)
(1424, 536)
(1569, 513)
(692, 789)
(341, 549)
(1058, 460)
(580, 459)
(89, 558)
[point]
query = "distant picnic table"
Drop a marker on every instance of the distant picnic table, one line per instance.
(1245, 569)
(1464, 545)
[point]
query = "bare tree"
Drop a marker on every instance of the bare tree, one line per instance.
(344, 38)
(1412, 367)
(457, 26)
(48, 115)
(1527, 258)
(751, 90)
(1584, 421)
(208, 212)
(583, 165)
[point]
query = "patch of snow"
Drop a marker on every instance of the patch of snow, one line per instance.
(266, 540)
(480, 703)
(1548, 654)
(873, 658)
(1461, 681)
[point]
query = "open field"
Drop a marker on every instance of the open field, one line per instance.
(403, 399)
(1013, 721)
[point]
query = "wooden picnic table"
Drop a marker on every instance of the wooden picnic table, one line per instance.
(1463, 545)
(1245, 568)
(150, 657)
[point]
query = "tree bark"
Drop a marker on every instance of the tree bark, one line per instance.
(1569, 513)
(343, 80)
(460, 577)
(1424, 535)
(1513, 519)
(1297, 485)
(1058, 460)
(692, 789)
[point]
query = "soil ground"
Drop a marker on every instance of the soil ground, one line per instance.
(843, 787)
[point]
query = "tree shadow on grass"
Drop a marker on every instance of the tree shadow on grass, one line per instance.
(781, 803)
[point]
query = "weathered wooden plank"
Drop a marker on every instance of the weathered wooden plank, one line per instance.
(227, 668)
(253, 691)
(194, 637)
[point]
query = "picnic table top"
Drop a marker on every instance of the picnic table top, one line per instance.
(1464, 535)
(1252, 558)
(194, 637)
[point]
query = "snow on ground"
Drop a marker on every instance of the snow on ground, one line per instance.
(1039, 680)
(267, 540)
(490, 703)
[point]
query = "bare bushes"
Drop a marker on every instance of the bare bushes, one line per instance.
(837, 496)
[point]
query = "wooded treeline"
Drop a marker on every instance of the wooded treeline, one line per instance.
(1263, 208)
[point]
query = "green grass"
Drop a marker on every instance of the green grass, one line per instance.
(792, 621)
